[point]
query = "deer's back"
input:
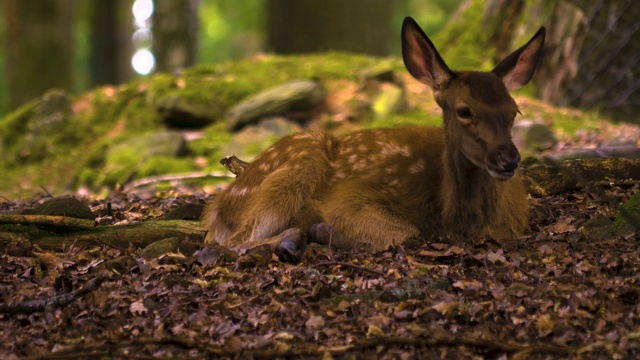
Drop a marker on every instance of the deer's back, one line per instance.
(400, 168)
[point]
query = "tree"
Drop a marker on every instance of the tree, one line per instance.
(39, 47)
(110, 46)
(175, 29)
(364, 26)
(591, 50)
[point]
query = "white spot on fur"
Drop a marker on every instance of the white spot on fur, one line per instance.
(391, 170)
(235, 191)
(340, 175)
(418, 166)
(265, 167)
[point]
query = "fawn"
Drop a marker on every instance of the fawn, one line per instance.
(382, 187)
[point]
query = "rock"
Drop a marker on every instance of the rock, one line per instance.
(382, 71)
(627, 221)
(64, 206)
(598, 227)
(160, 247)
(294, 96)
(532, 136)
(48, 121)
(17, 246)
(181, 112)
(186, 211)
(123, 161)
(256, 138)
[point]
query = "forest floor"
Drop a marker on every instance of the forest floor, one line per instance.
(556, 293)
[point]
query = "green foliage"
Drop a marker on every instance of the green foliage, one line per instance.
(12, 126)
(464, 43)
(229, 29)
(628, 213)
(160, 165)
(415, 116)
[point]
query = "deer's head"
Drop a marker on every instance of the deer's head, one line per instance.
(478, 110)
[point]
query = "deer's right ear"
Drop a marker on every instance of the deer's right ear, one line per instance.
(421, 58)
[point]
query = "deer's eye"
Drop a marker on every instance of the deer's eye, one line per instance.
(463, 112)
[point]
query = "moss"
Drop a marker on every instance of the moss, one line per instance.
(570, 123)
(158, 165)
(12, 128)
(416, 116)
(629, 212)
(464, 42)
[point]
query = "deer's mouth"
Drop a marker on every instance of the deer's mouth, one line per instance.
(501, 174)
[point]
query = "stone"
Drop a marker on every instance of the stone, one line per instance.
(160, 247)
(180, 112)
(294, 96)
(123, 161)
(186, 211)
(254, 139)
(64, 206)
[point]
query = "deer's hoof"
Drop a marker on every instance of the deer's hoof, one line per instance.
(321, 233)
(292, 245)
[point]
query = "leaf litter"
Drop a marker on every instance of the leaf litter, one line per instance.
(556, 293)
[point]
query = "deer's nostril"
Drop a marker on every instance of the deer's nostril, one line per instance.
(507, 162)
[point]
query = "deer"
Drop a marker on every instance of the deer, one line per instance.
(377, 188)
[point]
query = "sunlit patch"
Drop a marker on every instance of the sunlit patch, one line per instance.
(143, 62)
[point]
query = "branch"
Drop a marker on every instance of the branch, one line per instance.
(31, 306)
(353, 266)
(172, 177)
(60, 221)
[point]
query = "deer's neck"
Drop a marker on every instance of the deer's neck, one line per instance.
(469, 195)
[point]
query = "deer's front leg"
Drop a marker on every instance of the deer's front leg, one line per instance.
(362, 218)
(289, 245)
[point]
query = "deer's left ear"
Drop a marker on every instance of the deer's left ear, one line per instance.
(517, 69)
(421, 57)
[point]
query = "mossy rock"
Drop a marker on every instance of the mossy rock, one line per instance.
(64, 206)
(160, 247)
(627, 220)
(254, 139)
(126, 159)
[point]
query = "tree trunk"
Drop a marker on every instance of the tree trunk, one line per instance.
(111, 48)
(363, 26)
(39, 47)
(175, 30)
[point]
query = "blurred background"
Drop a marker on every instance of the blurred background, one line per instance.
(593, 46)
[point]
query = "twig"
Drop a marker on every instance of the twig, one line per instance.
(46, 191)
(353, 266)
(7, 200)
(31, 306)
(172, 177)
(61, 221)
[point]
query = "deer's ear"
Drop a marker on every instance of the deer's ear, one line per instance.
(517, 69)
(421, 58)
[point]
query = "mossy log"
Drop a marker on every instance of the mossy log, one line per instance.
(569, 175)
(120, 236)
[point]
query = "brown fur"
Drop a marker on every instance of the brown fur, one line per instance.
(382, 187)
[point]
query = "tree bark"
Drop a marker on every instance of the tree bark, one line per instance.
(111, 47)
(39, 47)
(175, 30)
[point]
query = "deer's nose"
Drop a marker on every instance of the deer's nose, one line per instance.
(509, 161)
